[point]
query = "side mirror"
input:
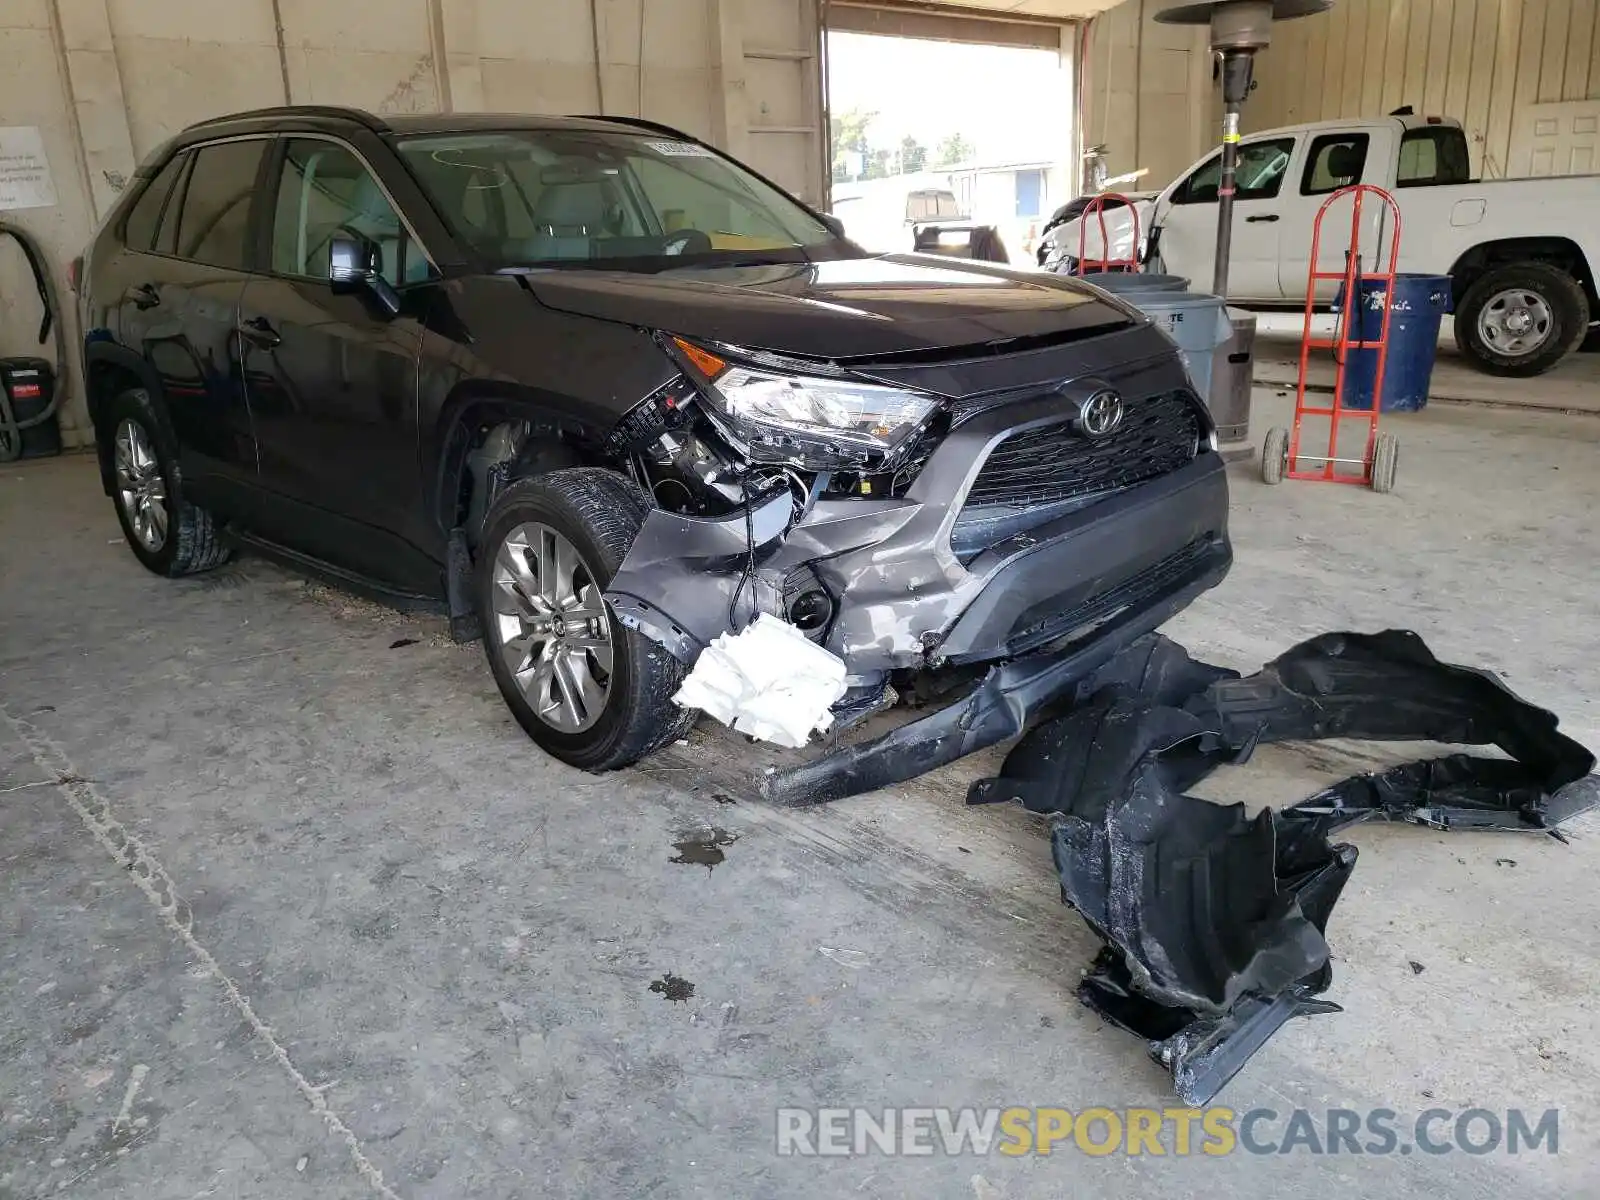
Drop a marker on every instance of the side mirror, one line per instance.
(835, 226)
(353, 269)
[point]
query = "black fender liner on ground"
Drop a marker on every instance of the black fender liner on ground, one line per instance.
(1214, 920)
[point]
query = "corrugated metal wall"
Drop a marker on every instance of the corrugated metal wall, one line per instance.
(1499, 66)
(1147, 92)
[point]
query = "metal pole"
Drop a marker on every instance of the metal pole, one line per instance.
(1225, 189)
(1237, 68)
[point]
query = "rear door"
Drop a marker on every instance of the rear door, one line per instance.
(332, 379)
(1188, 221)
(180, 306)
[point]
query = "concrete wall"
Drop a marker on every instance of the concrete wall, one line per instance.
(1509, 70)
(107, 80)
(1147, 93)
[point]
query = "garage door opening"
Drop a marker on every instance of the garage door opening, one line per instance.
(936, 118)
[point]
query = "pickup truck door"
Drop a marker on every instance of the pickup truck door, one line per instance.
(1187, 218)
(1331, 161)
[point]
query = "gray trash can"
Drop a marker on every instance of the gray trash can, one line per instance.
(1197, 322)
(1232, 375)
(1123, 282)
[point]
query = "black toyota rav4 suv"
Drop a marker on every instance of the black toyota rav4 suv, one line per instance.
(606, 394)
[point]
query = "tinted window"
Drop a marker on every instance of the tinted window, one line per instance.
(552, 197)
(1336, 160)
(325, 192)
(215, 225)
(1258, 177)
(167, 234)
(139, 233)
(1437, 154)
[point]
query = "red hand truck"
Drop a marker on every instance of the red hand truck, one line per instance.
(1281, 454)
(1097, 208)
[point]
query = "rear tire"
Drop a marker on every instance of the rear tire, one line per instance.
(167, 533)
(597, 513)
(1499, 321)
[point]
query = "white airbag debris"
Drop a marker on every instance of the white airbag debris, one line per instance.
(767, 681)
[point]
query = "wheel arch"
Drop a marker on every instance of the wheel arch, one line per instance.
(110, 370)
(476, 407)
(1560, 252)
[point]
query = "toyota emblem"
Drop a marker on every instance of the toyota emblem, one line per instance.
(1101, 414)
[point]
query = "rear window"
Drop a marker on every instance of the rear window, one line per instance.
(1334, 161)
(215, 223)
(139, 232)
(1435, 155)
(932, 204)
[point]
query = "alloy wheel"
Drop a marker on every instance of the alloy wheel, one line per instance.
(141, 491)
(552, 628)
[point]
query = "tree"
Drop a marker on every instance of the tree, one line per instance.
(880, 164)
(913, 155)
(847, 142)
(953, 151)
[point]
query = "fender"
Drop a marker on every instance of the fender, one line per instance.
(102, 356)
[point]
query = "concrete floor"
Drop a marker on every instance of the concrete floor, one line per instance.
(371, 930)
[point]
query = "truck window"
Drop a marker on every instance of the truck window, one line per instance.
(1335, 160)
(932, 204)
(1260, 174)
(1433, 155)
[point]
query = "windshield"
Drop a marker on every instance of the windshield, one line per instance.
(608, 200)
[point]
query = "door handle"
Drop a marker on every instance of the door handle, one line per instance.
(259, 331)
(1263, 217)
(143, 296)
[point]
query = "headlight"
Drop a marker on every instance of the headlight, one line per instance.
(812, 422)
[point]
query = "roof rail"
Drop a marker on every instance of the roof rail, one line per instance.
(360, 116)
(639, 123)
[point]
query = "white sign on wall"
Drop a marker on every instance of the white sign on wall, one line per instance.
(24, 170)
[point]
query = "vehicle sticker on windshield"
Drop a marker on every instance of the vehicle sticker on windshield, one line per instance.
(679, 149)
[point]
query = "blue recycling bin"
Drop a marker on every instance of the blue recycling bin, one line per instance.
(1419, 304)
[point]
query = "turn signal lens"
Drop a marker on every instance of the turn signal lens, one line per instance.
(708, 363)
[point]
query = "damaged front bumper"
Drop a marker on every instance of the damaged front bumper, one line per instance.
(926, 580)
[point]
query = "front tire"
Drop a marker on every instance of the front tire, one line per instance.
(585, 688)
(1521, 319)
(167, 533)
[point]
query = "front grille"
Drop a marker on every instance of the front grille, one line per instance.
(1055, 463)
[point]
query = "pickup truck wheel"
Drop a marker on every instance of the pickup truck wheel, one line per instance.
(589, 691)
(1521, 319)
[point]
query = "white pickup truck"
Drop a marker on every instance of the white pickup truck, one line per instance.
(1519, 252)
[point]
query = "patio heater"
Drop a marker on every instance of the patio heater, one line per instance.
(1239, 28)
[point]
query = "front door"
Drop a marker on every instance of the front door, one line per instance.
(1188, 222)
(332, 379)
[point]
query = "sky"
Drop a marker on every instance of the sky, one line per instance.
(998, 97)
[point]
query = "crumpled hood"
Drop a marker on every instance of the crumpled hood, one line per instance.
(849, 308)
